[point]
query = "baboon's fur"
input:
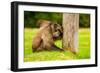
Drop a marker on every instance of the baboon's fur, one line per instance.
(44, 38)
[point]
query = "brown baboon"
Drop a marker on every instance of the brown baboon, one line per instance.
(44, 39)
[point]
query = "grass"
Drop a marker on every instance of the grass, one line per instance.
(83, 46)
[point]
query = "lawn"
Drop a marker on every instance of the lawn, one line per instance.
(83, 46)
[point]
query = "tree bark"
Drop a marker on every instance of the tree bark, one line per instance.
(70, 32)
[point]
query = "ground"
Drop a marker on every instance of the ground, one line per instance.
(83, 46)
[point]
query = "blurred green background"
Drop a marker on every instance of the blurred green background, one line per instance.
(31, 18)
(30, 30)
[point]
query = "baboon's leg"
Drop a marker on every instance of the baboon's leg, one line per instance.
(40, 48)
(35, 47)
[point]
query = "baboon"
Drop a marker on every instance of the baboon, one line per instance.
(44, 39)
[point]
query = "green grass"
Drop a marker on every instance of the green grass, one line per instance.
(83, 46)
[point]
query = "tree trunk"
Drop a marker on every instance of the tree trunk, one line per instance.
(70, 31)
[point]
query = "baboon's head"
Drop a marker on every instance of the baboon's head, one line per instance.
(57, 30)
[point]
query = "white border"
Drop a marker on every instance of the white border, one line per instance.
(22, 64)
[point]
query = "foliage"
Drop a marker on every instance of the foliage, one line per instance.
(84, 20)
(84, 48)
(31, 18)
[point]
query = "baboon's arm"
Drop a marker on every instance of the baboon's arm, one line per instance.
(54, 47)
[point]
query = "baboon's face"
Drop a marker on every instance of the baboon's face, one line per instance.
(57, 30)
